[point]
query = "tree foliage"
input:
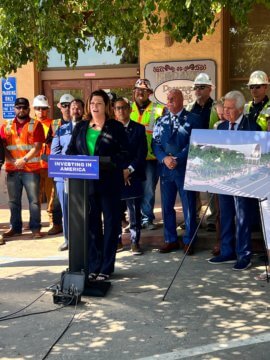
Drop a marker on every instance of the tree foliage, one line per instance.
(29, 29)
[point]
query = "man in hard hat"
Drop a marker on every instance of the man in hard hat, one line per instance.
(41, 107)
(203, 106)
(259, 108)
(23, 138)
(145, 112)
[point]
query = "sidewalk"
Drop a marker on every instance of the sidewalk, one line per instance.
(210, 312)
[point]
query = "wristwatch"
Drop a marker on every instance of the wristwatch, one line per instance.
(25, 159)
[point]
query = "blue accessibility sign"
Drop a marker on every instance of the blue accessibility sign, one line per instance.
(9, 94)
(75, 167)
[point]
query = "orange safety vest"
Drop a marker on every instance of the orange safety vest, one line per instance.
(19, 146)
(46, 149)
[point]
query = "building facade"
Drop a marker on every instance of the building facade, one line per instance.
(230, 54)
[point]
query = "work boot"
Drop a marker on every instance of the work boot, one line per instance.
(10, 233)
(55, 229)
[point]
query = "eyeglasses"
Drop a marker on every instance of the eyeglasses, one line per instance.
(40, 108)
(142, 90)
(255, 87)
(65, 106)
(200, 87)
(21, 107)
(118, 108)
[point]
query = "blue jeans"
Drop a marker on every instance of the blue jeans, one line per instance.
(63, 198)
(16, 181)
(149, 189)
(134, 215)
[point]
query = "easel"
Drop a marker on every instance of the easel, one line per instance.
(266, 260)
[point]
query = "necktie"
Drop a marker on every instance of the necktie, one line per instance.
(173, 119)
(232, 126)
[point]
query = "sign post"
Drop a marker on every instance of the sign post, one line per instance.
(9, 94)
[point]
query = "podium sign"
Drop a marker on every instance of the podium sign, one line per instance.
(73, 166)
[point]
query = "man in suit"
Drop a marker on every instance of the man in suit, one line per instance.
(59, 146)
(235, 214)
(170, 145)
(134, 170)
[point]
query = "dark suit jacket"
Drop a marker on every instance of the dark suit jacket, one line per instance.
(245, 124)
(111, 147)
(137, 149)
(137, 153)
(174, 141)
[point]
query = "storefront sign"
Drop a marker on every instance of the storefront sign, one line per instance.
(168, 75)
(75, 167)
(9, 94)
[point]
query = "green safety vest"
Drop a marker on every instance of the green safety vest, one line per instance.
(263, 116)
(148, 119)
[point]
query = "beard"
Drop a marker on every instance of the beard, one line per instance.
(22, 116)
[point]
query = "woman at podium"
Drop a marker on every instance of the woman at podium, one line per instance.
(99, 135)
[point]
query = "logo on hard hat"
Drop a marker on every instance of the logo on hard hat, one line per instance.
(143, 84)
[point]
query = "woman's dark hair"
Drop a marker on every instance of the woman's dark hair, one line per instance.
(106, 100)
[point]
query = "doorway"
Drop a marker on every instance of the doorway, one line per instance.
(54, 89)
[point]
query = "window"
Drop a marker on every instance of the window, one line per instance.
(93, 58)
(249, 48)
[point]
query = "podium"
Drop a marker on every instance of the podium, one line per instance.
(78, 213)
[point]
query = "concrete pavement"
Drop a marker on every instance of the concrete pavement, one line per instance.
(210, 312)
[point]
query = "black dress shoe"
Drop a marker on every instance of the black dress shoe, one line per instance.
(63, 247)
(168, 247)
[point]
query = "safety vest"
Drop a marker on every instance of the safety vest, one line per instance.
(55, 124)
(263, 116)
(19, 146)
(148, 119)
(45, 150)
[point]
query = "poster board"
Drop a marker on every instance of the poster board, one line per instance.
(231, 163)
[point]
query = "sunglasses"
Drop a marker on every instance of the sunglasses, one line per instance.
(21, 107)
(255, 87)
(118, 108)
(65, 106)
(41, 108)
(199, 87)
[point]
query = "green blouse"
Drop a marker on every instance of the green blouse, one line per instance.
(91, 139)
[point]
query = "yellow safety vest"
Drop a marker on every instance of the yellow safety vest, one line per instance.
(148, 119)
(55, 125)
(263, 116)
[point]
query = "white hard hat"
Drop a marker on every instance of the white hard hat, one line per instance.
(203, 79)
(143, 84)
(258, 77)
(40, 101)
(66, 98)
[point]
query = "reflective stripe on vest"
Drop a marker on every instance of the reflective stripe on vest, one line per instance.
(18, 147)
(263, 116)
(148, 119)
